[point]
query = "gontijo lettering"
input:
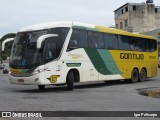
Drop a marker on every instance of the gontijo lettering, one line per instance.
(131, 56)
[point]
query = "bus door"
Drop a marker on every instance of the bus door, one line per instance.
(50, 55)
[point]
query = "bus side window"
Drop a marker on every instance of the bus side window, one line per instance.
(62, 34)
(115, 41)
(145, 45)
(78, 39)
(148, 45)
(141, 46)
(111, 41)
(73, 43)
(91, 40)
(135, 44)
(74, 40)
(83, 43)
(124, 42)
(153, 45)
(108, 41)
(100, 40)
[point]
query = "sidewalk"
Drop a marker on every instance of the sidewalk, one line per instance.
(154, 92)
(151, 92)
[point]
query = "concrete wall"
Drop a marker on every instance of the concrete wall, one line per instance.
(141, 19)
(157, 19)
(122, 19)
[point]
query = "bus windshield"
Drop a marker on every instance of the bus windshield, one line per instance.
(24, 53)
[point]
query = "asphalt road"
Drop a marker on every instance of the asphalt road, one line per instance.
(100, 96)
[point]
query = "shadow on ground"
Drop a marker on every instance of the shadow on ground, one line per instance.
(88, 85)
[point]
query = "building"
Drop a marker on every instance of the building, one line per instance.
(137, 17)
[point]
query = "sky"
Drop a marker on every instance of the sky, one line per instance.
(15, 14)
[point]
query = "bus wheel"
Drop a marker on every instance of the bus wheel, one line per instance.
(134, 76)
(70, 80)
(142, 75)
(41, 87)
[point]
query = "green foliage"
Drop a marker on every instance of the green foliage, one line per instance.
(4, 56)
(9, 35)
(8, 45)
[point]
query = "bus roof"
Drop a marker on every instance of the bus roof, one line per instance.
(47, 25)
(80, 26)
(121, 32)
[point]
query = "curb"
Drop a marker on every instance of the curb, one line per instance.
(150, 92)
(154, 92)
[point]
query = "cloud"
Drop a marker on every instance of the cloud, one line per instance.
(16, 14)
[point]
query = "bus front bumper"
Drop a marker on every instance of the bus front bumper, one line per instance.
(31, 80)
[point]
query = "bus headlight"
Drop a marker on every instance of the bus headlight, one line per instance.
(38, 71)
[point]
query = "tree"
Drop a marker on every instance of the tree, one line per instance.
(9, 35)
(6, 53)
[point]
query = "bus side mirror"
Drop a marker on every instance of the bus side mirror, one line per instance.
(42, 38)
(5, 41)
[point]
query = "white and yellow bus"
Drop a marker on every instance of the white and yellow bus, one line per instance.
(67, 52)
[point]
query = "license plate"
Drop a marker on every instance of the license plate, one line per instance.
(20, 80)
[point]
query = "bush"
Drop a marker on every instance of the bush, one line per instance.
(6, 53)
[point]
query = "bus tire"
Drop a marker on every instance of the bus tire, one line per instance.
(70, 81)
(41, 87)
(142, 75)
(134, 76)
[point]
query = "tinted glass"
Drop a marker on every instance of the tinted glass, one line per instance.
(24, 52)
(111, 41)
(95, 40)
(78, 39)
(98, 40)
(124, 43)
(62, 34)
(92, 40)
(51, 50)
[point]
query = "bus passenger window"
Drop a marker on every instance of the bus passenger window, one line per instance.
(108, 41)
(73, 44)
(100, 41)
(153, 46)
(91, 40)
(141, 44)
(78, 39)
(133, 44)
(83, 43)
(124, 43)
(148, 45)
(74, 41)
(95, 40)
(111, 41)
